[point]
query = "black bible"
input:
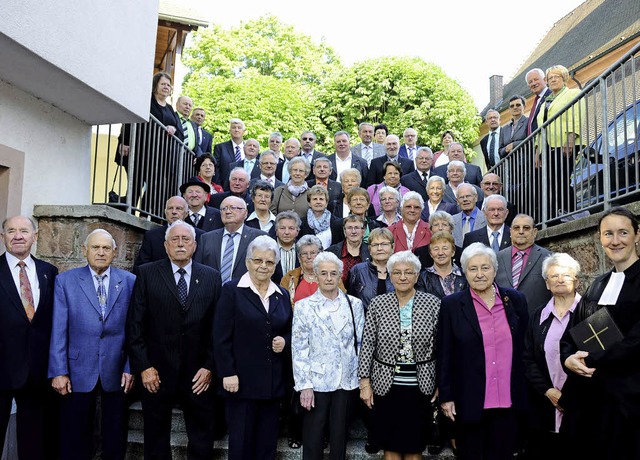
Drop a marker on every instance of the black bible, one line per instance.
(596, 333)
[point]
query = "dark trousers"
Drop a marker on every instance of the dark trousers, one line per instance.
(561, 196)
(253, 428)
(77, 415)
(492, 438)
(331, 408)
(198, 418)
(36, 421)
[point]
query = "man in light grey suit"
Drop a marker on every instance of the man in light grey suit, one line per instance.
(467, 199)
(213, 244)
(530, 281)
(367, 149)
(515, 131)
(87, 358)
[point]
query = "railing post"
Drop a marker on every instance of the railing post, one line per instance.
(604, 146)
(131, 168)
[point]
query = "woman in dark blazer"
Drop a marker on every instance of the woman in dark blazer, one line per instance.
(252, 334)
(480, 371)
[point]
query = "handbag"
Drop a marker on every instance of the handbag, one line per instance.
(113, 196)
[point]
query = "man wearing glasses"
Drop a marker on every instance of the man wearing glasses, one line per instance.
(492, 185)
(490, 143)
(515, 131)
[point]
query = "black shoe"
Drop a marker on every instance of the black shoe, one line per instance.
(294, 443)
(434, 450)
(371, 448)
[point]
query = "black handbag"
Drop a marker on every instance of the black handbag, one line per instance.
(113, 196)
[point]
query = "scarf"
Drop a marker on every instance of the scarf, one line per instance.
(321, 224)
(297, 190)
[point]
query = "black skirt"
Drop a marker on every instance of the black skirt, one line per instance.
(400, 419)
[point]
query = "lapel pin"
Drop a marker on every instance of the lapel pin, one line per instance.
(197, 281)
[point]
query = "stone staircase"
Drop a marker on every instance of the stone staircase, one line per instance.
(355, 446)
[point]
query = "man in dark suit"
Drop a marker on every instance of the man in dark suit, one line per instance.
(87, 359)
(189, 128)
(538, 85)
(228, 152)
(249, 163)
(473, 173)
(213, 245)
(308, 147)
(417, 180)
(291, 150)
(268, 163)
(343, 159)
(321, 172)
(376, 171)
(152, 247)
(26, 290)
(239, 181)
(367, 149)
(490, 144)
(204, 137)
(409, 148)
(496, 234)
(529, 256)
(203, 217)
(169, 337)
(514, 132)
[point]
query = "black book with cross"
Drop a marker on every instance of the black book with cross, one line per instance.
(596, 333)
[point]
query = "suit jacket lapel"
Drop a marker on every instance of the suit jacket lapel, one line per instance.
(469, 312)
(89, 288)
(323, 314)
(194, 285)
(115, 288)
(534, 255)
(242, 249)
(6, 281)
(166, 273)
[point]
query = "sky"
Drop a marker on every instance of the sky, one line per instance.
(470, 40)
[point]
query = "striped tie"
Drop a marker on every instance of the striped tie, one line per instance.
(238, 156)
(102, 294)
(185, 130)
(518, 258)
(495, 245)
(227, 259)
(26, 295)
(183, 292)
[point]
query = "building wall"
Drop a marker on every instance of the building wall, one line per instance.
(54, 146)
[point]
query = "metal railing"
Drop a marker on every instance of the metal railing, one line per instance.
(547, 177)
(137, 167)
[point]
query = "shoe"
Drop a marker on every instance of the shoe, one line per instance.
(434, 450)
(371, 448)
(294, 443)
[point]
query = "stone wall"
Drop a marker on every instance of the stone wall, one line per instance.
(63, 229)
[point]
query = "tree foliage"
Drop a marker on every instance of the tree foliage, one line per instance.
(265, 44)
(400, 92)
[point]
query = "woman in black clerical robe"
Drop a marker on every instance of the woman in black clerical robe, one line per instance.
(601, 398)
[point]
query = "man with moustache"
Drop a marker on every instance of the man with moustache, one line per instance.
(308, 147)
(169, 337)
(26, 308)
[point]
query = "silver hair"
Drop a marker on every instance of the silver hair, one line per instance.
(391, 190)
(240, 169)
(327, 257)
(99, 231)
(478, 249)
(303, 160)
(34, 226)
(275, 134)
(323, 159)
(309, 240)
(459, 164)
(353, 171)
(264, 243)
(289, 215)
(413, 196)
(340, 133)
(500, 198)
(424, 149)
(560, 259)
(404, 257)
(237, 121)
(442, 215)
(180, 223)
(435, 179)
(269, 152)
(473, 189)
(539, 72)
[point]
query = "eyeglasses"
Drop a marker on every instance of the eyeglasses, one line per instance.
(232, 208)
(268, 263)
(308, 139)
(353, 229)
(557, 277)
(492, 184)
(379, 245)
(407, 274)
(268, 163)
(309, 254)
(513, 106)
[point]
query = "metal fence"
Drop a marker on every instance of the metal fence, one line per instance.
(137, 167)
(548, 179)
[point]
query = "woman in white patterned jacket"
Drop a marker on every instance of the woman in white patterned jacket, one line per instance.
(325, 338)
(397, 361)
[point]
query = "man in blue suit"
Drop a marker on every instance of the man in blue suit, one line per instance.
(87, 356)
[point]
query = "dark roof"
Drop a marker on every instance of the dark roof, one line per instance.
(594, 27)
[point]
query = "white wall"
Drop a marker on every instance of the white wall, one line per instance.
(56, 149)
(93, 60)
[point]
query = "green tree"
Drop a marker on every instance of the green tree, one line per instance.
(264, 103)
(265, 44)
(401, 92)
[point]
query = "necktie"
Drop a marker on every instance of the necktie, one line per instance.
(466, 227)
(517, 268)
(185, 130)
(195, 217)
(182, 287)
(227, 259)
(102, 294)
(411, 152)
(366, 153)
(532, 114)
(495, 245)
(25, 292)
(285, 172)
(199, 135)
(492, 147)
(424, 177)
(248, 165)
(238, 156)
